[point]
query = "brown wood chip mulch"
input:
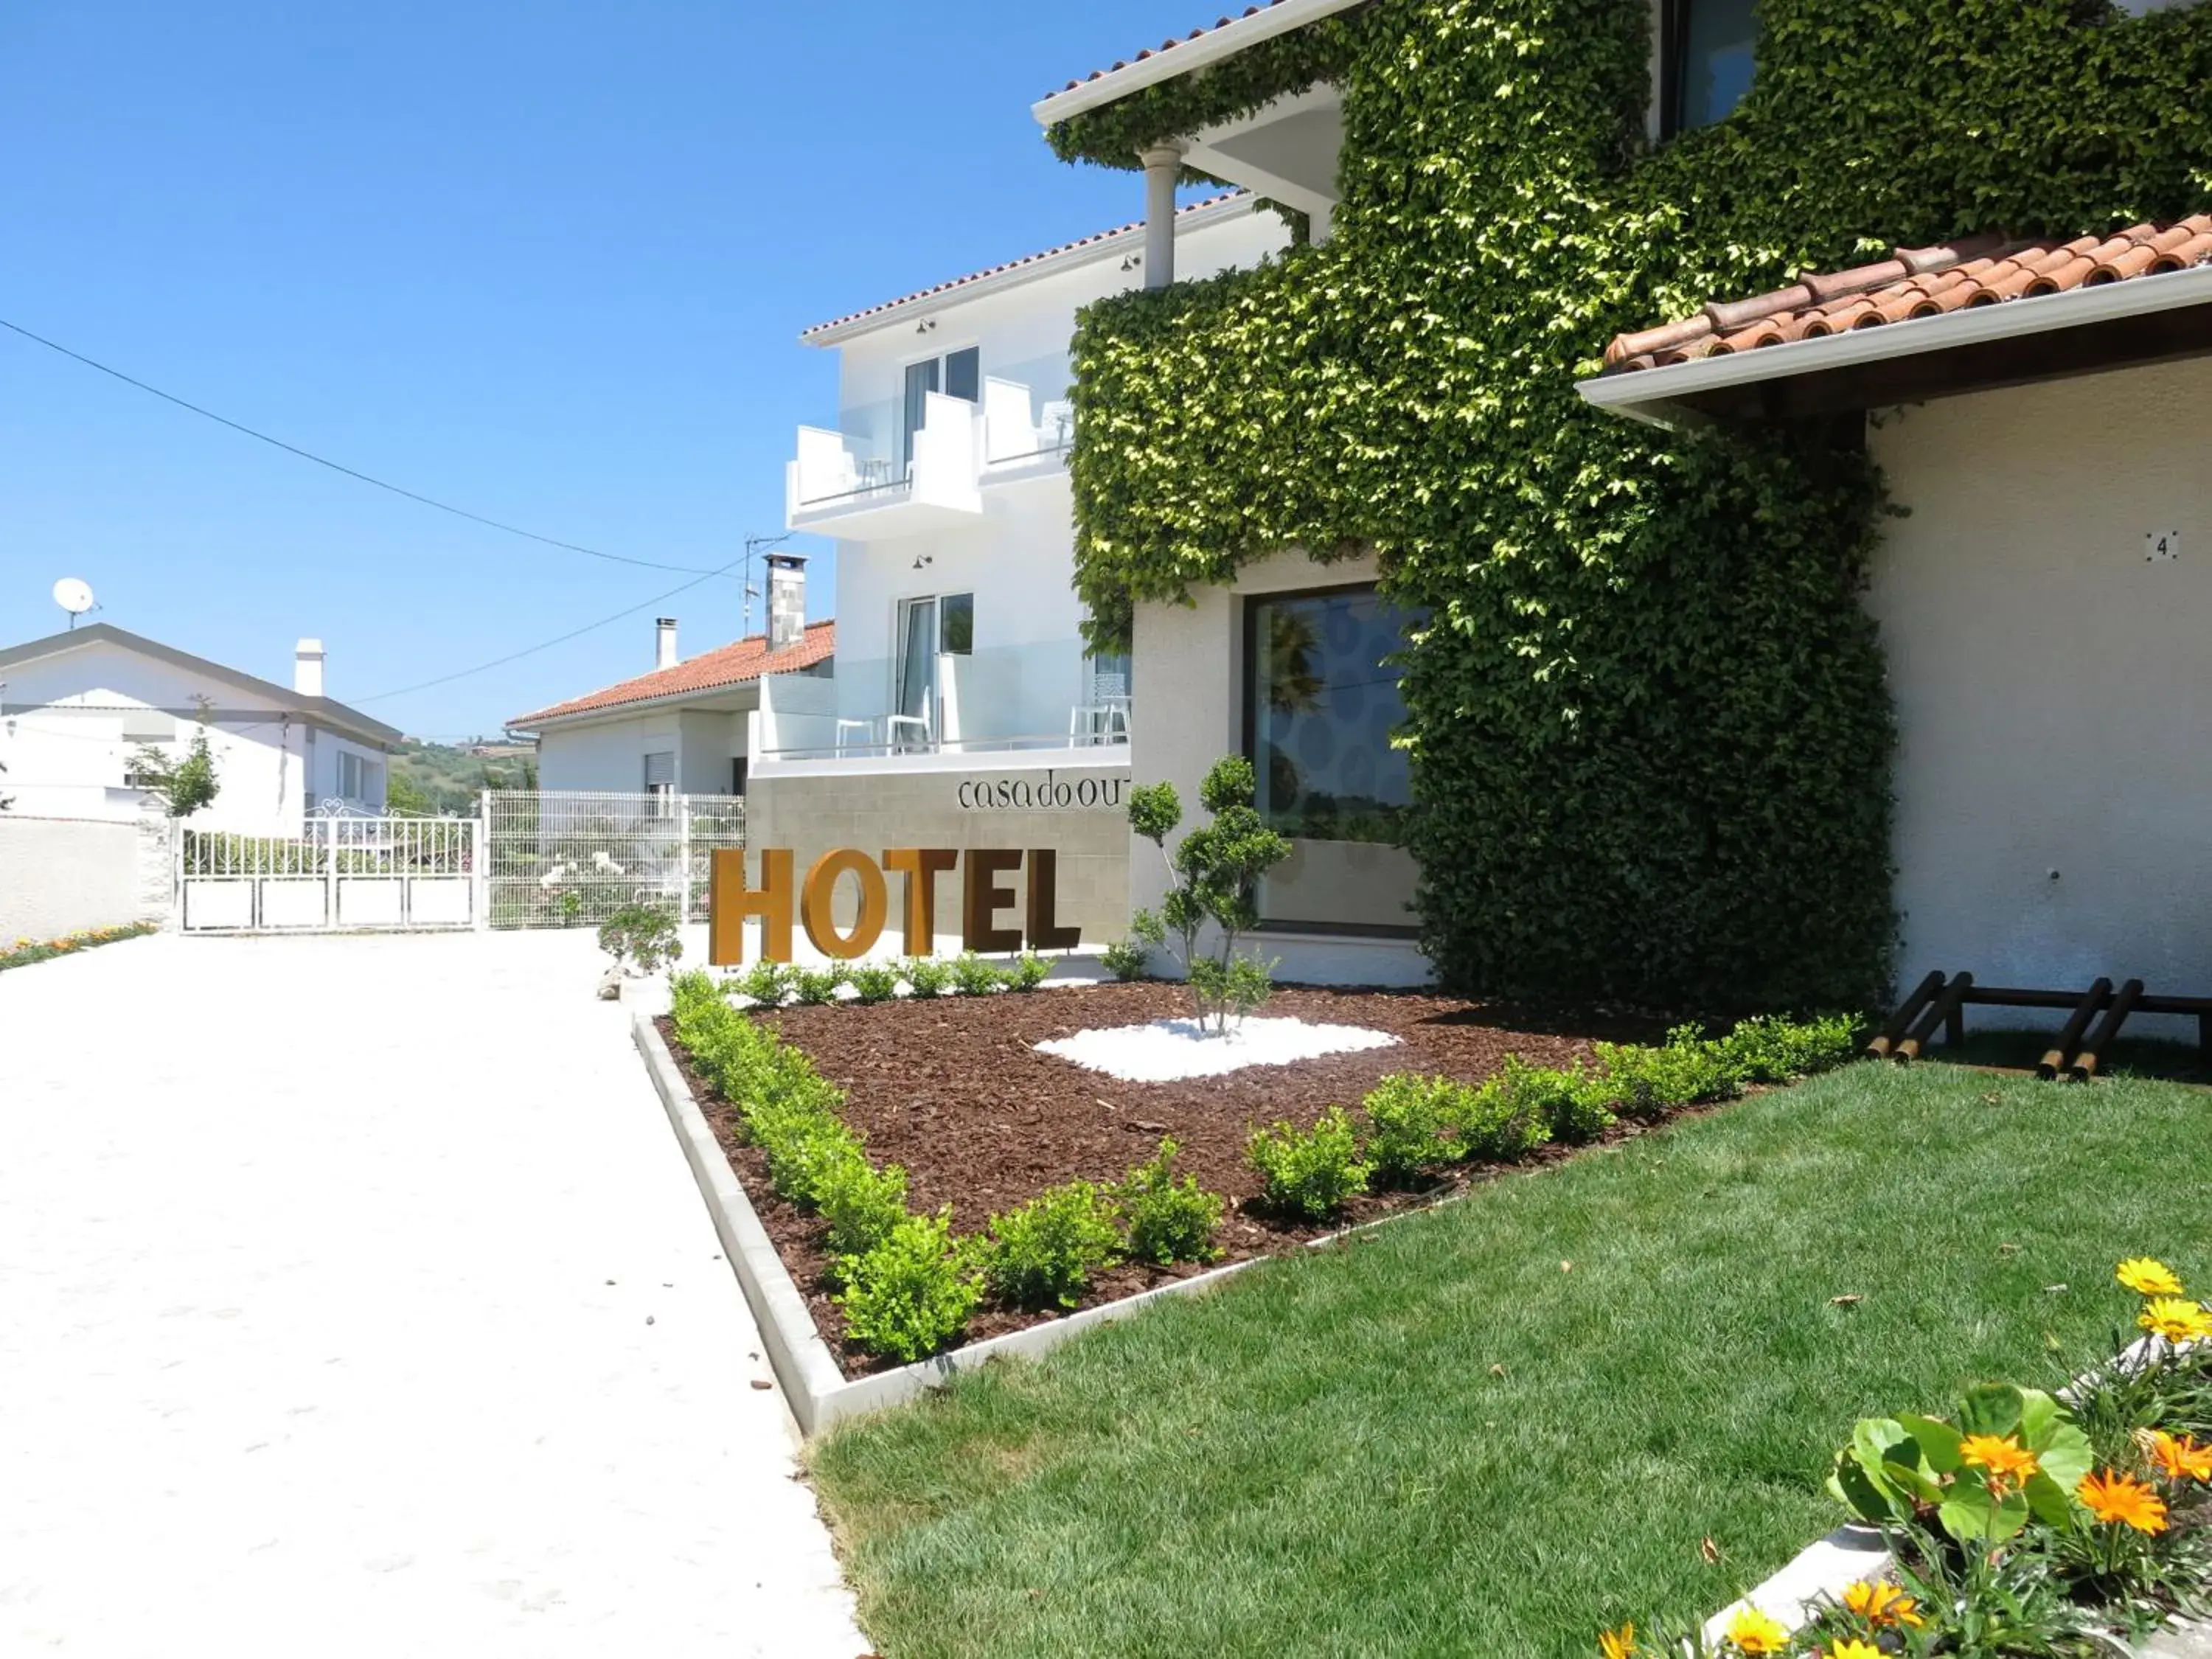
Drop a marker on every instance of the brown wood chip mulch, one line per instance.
(954, 1089)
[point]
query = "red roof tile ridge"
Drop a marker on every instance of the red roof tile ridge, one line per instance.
(735, 663)
(1917, 282)
(974, 277)
(1168, 45)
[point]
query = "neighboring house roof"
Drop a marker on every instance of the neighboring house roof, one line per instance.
(1094, 247)
(324, 711)
(747, 660)
(1915, 283)
(1225, 37)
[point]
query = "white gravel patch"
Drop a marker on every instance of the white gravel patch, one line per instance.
(1169, 1050)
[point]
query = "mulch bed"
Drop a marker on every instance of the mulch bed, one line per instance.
(954, 1089)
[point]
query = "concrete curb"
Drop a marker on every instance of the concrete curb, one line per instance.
(819, 1391)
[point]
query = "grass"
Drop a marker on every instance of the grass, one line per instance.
(1444, 1439)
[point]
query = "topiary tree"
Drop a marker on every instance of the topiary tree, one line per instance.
(1214, 877)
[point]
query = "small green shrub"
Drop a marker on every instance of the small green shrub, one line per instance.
(911, 1294)
(1044, 1254)
(1503, 1120)
(1564, 1102)
(818, 986)
(1168, 1220)
(766, 982)
(642, 937)
(875, 981)
(1414, 1124)
(1029, 971)
(1644, 1083)
(927, 976)
(1232, 989)
(688, 994)
(805, 1139)
(972, 977)
(1307, 1174)
(1127, 959)
(1769, 1050)
(861, 1203)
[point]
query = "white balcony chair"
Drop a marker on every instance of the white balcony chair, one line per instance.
(1106, 712)
(893, 724)
(1059, 425)
(845, 730)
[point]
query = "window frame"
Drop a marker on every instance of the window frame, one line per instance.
(914, 409)
(1248, 700)
(1673, 67)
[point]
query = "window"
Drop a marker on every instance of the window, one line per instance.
(738, 775)
(661, 783)
(957, 375)
(1707, 48)
(1321, 706)
(955, 631)
(360, 779)
(929, 629)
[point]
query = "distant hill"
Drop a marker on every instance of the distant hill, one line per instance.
(440, 778)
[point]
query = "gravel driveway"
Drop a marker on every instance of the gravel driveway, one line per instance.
(354, 1298)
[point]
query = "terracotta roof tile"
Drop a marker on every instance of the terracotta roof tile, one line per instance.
(748, 658)
(1149, 52)
(1917, 283)
(1011, 264)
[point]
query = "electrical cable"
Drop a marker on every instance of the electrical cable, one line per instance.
(547, 645)
(350, 472)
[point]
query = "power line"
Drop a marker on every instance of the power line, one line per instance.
(547, 645)
(350, 472)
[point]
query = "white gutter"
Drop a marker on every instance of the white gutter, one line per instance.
(1651, 394)
(1185, 56)
(1034, 269)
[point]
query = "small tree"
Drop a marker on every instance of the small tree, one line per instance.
(1214, 874)
(184, 785)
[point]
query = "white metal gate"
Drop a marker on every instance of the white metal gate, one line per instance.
(566, 859)
(343, 873)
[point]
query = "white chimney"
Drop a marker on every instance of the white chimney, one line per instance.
(786, 599)
(308, 668)
(664, 642)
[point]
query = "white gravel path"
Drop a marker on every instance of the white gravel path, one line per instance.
(354, 1299)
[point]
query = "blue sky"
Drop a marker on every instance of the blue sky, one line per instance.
(546, 262)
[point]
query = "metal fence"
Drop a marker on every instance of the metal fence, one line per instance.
(343, 872)
(567, 859)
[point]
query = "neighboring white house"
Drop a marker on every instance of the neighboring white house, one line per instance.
(688, 727)
(75, 707)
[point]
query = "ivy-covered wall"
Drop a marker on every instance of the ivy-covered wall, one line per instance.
(1651, 741)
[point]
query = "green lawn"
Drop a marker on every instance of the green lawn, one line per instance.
(1441, 1441)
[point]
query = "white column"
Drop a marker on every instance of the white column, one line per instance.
(1162, 167)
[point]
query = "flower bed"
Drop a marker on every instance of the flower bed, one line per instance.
(24, 951)
(2023, 1522)
(929, 1177)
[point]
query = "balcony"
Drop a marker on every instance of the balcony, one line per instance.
(873, 481)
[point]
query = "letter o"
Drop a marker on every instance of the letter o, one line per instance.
(1086, 793)
(821, 890)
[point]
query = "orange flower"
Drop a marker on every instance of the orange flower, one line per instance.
(1617, 1644)
(2182, 1459)
(1882, 1605)
(2006, 1461)
(2120, 1500)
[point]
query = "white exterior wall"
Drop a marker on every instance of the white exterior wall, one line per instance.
(1189, 660)
(2054, 818)
(608, 754)
(68, 876)
(62, 719)
(1018, 556)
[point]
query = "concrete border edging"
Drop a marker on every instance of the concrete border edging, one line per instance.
(819, 1393)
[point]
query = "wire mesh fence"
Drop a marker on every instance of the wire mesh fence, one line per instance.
(569, 858)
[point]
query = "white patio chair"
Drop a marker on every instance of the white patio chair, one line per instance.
(1108, 711)
(845, 730)
(893, 724)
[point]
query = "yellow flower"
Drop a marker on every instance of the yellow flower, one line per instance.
(1617, 1643)
(2147, 1276)
(1753, 1632)
(2006, 1461)
(2175, 1318)
(1881, 1604)
(2181, 1459)
(1851, 1647)
(2120, 1500)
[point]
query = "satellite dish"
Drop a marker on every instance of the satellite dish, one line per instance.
(73, 596)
